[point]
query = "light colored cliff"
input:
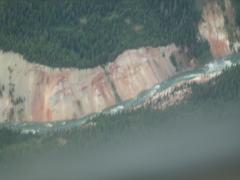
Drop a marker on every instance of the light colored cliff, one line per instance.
(213, 29)
(31, 92)
(50, 94)
(138, 70)
(219, 29)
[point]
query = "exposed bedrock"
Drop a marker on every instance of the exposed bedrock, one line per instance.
(219, 29)
(31, 92)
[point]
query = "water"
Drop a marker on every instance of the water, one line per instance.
(212, 69)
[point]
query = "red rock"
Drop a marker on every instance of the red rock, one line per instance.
(62, 94)
(213, 29)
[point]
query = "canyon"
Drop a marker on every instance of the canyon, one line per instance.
(31, 92)
(36, 93)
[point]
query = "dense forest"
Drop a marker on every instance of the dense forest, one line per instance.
(236, 4)
(71, 33)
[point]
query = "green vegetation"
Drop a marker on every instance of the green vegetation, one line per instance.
(202, 52)
(225, 87)
(236, 5)
(173, 60)
(71, 33)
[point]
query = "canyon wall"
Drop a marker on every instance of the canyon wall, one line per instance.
(31, 92)
(138, 70)
(219, 29)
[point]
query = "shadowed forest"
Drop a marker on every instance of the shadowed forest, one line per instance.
(89, 33)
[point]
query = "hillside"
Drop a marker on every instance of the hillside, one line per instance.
(168, 37)
(119, 89)
(212, 103)
(86, 33)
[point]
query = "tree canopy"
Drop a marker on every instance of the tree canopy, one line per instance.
(71, 33)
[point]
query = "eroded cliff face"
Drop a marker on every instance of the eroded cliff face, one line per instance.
(37, 93)
(219, 29)
(31, 92)
(138, 70)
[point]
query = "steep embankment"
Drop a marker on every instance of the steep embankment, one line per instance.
(31, 92)
(219, 29)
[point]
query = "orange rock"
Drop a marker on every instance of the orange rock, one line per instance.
(138, 70)
(213, 29)
(61, 94)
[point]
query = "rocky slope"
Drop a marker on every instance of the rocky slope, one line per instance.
(219, 29)
(31, 92)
